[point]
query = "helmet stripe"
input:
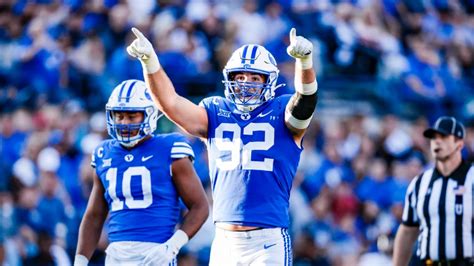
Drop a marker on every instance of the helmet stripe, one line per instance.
(252, 57)
(121, 90)
(129, 92)
(244, 54)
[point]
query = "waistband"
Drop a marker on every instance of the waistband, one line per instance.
(252, 233)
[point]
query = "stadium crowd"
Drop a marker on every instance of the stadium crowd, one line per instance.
(59, 61)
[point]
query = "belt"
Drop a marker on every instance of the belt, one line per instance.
(453, 262)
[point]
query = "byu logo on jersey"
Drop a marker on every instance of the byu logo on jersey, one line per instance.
(128, 158)
(245, 116)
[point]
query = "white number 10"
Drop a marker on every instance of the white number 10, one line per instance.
(233, 146)
(145, 177)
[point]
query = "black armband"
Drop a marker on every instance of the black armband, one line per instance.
(301, 106)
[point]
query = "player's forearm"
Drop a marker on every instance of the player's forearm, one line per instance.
(89, 234)
(304, 76)
(300, 108)
(195, 218)
(404, 242)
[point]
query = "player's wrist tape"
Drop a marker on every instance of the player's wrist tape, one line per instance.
(306, 89)
(80, 260)
(151, 64)
(305, 63)
(179, 239)
(297, 123)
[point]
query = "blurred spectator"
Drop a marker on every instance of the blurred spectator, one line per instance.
(375, 186)
(313, 245)
(429, 85)
(249, 24)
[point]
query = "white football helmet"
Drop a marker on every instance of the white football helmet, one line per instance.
(131, 95)
(251, 58)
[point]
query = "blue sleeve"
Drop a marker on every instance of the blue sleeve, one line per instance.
(97, 154)
(209, 104)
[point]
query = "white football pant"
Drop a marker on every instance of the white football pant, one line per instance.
(270, 246)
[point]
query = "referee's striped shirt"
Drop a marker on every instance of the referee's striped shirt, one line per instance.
(443, 209)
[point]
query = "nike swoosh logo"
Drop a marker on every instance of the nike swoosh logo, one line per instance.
(263, 115)
(144, 159)
(268, 246)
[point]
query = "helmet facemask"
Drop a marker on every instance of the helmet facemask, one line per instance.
(129, 134)
(137, 100)
(248, 95)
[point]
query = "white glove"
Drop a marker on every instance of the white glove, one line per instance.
(142, 49)
(164, 254)
(300, 49)
(80, 260)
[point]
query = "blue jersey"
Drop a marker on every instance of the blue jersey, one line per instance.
(252, 161)
(143, 201)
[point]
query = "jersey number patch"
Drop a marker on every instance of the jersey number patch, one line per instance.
(144, 176)
(244, 157)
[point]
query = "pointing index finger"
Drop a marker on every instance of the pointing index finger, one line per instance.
(292, 35)
(138, 33)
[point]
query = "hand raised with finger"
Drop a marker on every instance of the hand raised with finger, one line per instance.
(142, 49)
(300, 47)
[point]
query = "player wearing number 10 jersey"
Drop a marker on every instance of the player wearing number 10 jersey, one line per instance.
(139, 179)
(254, 145)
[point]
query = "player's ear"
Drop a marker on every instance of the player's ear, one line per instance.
(459, 143)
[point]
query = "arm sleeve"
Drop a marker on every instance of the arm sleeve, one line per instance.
(302, 106)
(410, 218)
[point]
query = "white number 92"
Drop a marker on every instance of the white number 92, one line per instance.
(243, 155)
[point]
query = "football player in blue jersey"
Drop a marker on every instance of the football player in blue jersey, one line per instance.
(254, 142)
(139, 178)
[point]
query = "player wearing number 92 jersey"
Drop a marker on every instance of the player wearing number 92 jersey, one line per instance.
(139, 179)
(254, 144)
(252, 160)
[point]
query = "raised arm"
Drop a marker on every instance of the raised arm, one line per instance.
(91, 225)
(300, 108)
(190, 117)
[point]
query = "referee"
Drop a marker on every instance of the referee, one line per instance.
(438, 205)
